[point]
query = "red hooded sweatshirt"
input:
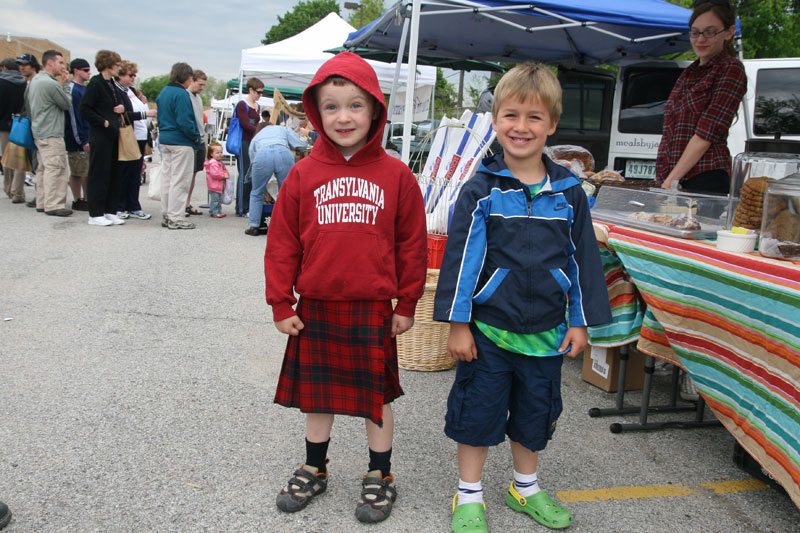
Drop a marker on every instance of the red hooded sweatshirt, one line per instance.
(347, 230)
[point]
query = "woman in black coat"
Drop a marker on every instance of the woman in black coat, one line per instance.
(102, 106)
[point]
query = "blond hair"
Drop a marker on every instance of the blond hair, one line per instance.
(526, 82)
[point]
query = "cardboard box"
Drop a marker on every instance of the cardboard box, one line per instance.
(601, 368)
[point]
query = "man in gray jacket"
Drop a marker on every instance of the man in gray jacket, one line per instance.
(48, 97)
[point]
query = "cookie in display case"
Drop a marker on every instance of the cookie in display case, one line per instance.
(684, 215)
(780, 227)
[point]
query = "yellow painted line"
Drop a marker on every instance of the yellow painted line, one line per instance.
(657, 491)
(624, 493)
(725, 487)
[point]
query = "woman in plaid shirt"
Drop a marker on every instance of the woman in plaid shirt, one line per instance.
(702, 105)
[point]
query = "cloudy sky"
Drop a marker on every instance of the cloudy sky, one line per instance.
(153, 34)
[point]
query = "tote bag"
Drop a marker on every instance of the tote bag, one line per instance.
(128, 147)
(233, 144)
(21, 134)
(15, 157)
(154, 186)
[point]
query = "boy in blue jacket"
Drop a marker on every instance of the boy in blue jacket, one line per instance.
(520, 282)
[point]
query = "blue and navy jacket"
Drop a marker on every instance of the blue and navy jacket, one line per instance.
(520, 263)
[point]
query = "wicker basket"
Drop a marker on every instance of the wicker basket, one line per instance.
(424, 346)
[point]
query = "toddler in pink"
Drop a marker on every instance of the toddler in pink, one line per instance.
(216, 174)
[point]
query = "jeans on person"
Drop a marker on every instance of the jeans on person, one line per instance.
(275, 159)
(214, 203)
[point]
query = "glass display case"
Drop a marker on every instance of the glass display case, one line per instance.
(780, 226)
(762, 160)
(684, 215)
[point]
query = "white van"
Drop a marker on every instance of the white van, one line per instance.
(619, 116)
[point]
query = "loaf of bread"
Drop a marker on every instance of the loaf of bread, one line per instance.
(567, 152)
(607, 175)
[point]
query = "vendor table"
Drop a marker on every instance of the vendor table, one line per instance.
(732, 321)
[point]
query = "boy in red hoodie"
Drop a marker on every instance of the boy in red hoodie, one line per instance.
(348, 235)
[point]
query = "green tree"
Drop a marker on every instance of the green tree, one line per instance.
(370, 10)
(215, 88)
(303, 15)
(152, 86)
(445, 98)
(770, 28)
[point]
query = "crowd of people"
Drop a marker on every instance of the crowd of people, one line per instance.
(77, 120)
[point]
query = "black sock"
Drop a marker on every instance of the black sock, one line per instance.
(316, 453)
(380, 461)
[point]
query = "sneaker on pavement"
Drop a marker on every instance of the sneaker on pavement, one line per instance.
(99, 221)
(114, 218)
(122, 214)
(141, 215)
(164, 221)
(219, 215)
(30, 180)
(59, 213)
(5, 515)
(18, 201)
(80, 204)
(180, 224)
(31, 203)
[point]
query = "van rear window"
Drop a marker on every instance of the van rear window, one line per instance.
(777, 102)
(645, 91)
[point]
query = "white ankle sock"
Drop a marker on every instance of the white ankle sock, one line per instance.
(526, 484)
(469, 492)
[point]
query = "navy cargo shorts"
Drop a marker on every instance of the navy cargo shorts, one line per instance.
(504, 393)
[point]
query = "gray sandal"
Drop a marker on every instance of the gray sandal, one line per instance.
(377, 496)
(306, 482)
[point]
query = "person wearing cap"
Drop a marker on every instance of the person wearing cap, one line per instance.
(48, 97)
(76, 134)
(28, 66)
(12, 100)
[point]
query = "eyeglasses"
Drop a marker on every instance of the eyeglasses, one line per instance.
(710, 33)
(87, 69)
(715, 2)
(259, 91)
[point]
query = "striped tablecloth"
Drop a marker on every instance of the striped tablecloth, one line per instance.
(733, 321)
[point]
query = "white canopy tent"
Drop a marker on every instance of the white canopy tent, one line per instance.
(294, 61)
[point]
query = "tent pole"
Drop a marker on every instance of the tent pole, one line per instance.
(412, 78)
(396, 80)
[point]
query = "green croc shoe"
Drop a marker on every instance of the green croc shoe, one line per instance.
(540, 507)
(469, 518)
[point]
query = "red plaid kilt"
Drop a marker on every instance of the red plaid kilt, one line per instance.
(343, 362)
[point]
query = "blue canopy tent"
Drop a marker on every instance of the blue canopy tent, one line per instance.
(584, 32)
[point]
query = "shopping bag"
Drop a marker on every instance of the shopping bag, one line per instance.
(233, 144)
(21, 134)
(228, 192)
(14, 157)
(154, 187)
(128, 147)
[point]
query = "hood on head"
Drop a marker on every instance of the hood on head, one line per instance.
(361, 73)
(12, 76)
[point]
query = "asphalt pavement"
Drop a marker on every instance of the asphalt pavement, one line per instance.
(138, 370)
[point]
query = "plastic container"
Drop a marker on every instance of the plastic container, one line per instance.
(780, 226)
(436, 244)
(736, 242)
(762, 158)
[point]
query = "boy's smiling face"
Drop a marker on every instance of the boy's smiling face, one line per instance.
(522, 129)
(347, 112)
